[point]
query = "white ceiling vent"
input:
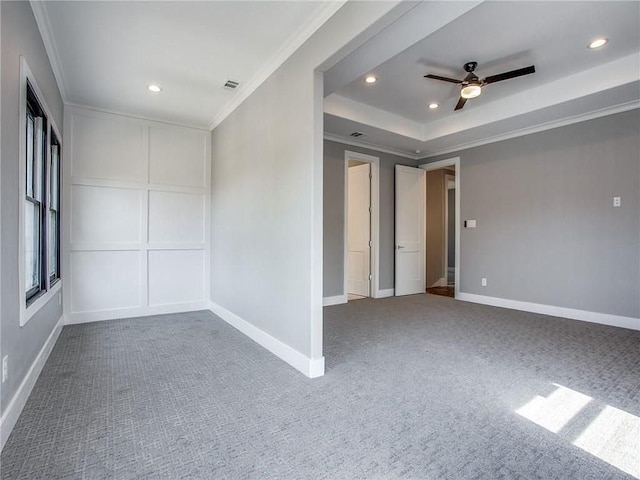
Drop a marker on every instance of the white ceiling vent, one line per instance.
(231, 85)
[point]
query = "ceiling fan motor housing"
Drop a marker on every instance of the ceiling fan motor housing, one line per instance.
(470, 66)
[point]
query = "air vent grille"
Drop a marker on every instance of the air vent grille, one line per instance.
(357, 134)
(231, 85)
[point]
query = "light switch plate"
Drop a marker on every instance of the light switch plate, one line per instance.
(617, 201)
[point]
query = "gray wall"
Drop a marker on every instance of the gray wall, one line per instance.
(546, 229)
(20, 36)
(333, 244)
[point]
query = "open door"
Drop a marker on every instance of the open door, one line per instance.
(410, 230)
(359, 230)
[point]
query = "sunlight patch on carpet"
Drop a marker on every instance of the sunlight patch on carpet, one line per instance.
(613, 436)
(556, 410)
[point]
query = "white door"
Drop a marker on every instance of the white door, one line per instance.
(410, 230)
(359, 229)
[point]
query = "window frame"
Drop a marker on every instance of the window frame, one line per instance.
(34, 299)
(35, 184)
(53, 206)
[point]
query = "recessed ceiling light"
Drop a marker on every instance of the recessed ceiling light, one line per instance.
(417, 151)
(370, 79)
(154, 88)
(598, 42)
(433, 106)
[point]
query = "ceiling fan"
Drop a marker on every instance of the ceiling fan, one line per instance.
(471, 85)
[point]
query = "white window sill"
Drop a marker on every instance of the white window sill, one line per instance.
(27, 312)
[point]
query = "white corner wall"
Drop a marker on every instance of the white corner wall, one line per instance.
(267, 167)
(136, 216)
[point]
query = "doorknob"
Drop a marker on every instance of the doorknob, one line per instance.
(400, 246)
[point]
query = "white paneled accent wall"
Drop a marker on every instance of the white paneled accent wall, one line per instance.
(136, 225)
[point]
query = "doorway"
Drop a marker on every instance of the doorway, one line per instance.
(443, 234)
(422, 259)
(361, 226)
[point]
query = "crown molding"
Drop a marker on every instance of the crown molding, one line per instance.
(42, 20)
(369, 146)
(317, 19)
(133, 115)
(583, 117)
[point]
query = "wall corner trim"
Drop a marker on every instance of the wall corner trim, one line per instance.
(335, 300)
(571, 313)
(46, 33)
(14, 409)
(311, 367)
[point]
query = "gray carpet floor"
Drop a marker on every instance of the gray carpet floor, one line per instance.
(421, 387)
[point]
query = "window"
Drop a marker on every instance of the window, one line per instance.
(40, 188)
(34, 214)
(54, 211)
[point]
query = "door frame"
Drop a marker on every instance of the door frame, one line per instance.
(375, 221)
(455, 161)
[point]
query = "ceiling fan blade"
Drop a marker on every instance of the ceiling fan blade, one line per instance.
(507, 75)
(444, 79)
(460, 103)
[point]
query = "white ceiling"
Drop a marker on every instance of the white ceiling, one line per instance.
(571, 82)
(106, 53)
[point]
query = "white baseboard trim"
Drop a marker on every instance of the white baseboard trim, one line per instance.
(88, 317)
(335, 300)
(311, 367)
(387, 292)
(14, 409)
(584, 315)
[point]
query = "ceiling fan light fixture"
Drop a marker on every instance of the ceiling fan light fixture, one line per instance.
(471, 85)
(471, 91)
(598, 42)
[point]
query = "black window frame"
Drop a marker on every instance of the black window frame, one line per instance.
(36, 186)
(54, 204)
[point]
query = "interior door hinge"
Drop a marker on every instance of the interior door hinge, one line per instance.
(370, 277)
(370, 243)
